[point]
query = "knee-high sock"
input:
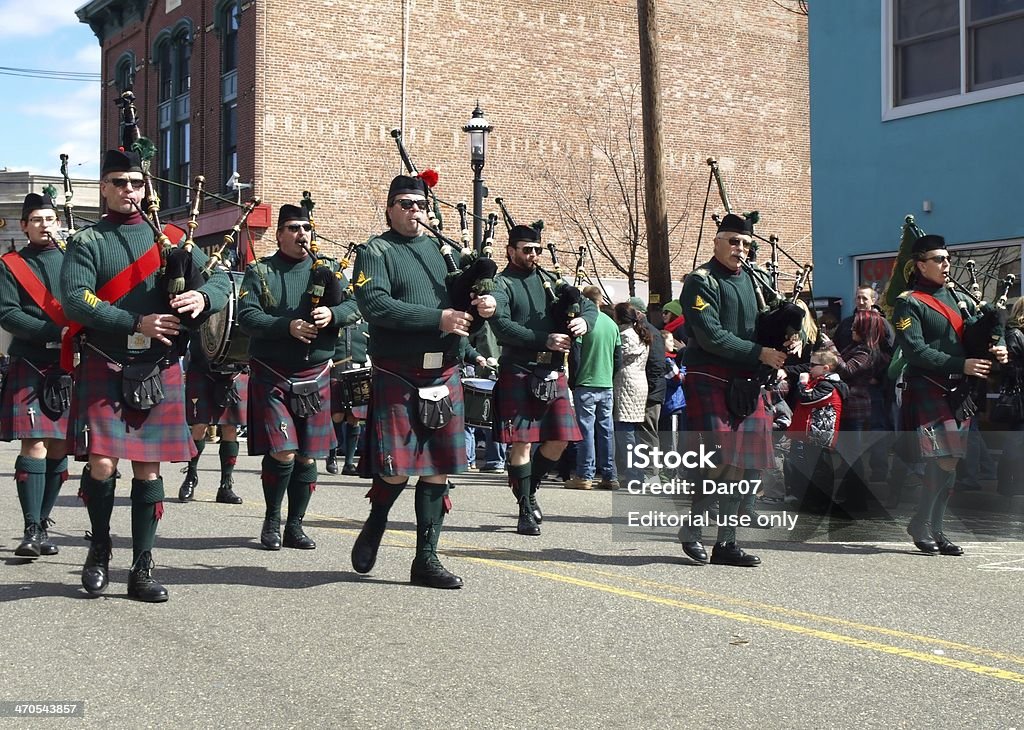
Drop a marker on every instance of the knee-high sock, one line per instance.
(382, 496)
(351, 442)
(193, 463)
(432, 504)
(932, 483)
(300, 488)
(147, 509)
(30, 476)
(98, 497)
(542, 465)
(56, 475)
(942, 495)
(339, 436)
(727, 507)
(519, 478)
(228, 452)
(276, 475)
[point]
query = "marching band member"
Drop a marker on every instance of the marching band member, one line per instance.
(719, 302)
(36, 391)
(129, 401)
(534, 348)
(929, 327)
(416, 406)
(349, 354)
(214, 397)
(289, 383)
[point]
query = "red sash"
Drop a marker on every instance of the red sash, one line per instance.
(134, 274)
(944, 309)
(35, 288)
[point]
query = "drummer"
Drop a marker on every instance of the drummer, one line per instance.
(215, 395)
(292, 342)
(350, 394)
(532, 395)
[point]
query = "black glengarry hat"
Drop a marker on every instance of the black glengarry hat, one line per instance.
(733, 223)
(291, 213)
(927, 243)
(35, 201)
(406, 185)
(120, 161)
(526, 234)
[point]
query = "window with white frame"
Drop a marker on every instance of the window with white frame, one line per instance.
(945, 53)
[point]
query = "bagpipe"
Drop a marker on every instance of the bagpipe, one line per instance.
(324, 289)
(178, 271)
(563, 298)
(473, 273)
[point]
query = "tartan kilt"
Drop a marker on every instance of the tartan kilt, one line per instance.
(159, 434)
(200, 407)
(272, 425)
(338, 392)
(926, 412)
(521, 418)
(21, 390)
(745, 443)
(396, 443)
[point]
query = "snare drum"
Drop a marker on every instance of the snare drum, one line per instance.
(479, 397)
(222, 340)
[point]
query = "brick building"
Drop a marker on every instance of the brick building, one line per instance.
(302, 97)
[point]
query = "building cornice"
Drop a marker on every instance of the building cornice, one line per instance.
(107, 17)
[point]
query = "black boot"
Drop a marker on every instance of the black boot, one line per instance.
(46, 546)
(729, 553)
(527, 521)
(29, 547)
(332, 462)
(188, 487)
(382, 496)
(921, 533)
(226, 493)
(270, 535)
(141, 585)
(295, 537)
(94, 572)
(946, 546)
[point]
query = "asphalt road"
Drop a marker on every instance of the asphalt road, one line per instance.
(581, 627)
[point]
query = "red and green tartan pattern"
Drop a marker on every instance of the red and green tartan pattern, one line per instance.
(199, 401)
(395, 441)
(522, 418)
(273, 428)
(157, 435)
(926, 412)
(746, 443)
(21, 391)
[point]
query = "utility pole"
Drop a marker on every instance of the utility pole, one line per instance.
(659, 274)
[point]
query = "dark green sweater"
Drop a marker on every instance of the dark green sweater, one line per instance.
(96, 255)
(721, 314)
(400, 289)
(268, 326)
(927, 339)
(29, 326)
(521, 322)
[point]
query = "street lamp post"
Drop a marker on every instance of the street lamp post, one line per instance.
(477, 129)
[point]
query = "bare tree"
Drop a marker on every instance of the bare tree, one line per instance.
(599, 189)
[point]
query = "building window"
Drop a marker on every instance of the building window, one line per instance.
(165, 70)
(125, 74)
(174, 60)
(229, 131)
(182, 64)
(229, 37)
(945, 53)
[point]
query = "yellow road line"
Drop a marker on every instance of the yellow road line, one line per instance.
(942, 661)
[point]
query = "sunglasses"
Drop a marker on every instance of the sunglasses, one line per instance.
(739, 242)
(407, 204)
(296, 227)
(531, 249)
(937, 259)
(120, 182)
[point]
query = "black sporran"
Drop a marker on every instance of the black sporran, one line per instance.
(743, 396)
(56, 396)
(544, 383)
(304, 398)
(142, 385)
(961, 402)
(434, 406)
(225, 391)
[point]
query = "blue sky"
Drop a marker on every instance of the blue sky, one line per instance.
(43, 117)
